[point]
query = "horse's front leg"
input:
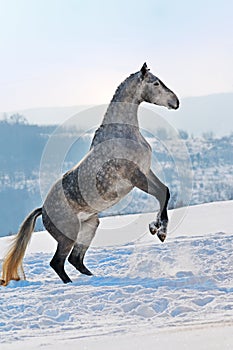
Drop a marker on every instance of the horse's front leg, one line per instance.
(159, 226)
(152, 185)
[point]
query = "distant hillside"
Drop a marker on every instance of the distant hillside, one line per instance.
(22, 146)
(197, 115)
(21, 149)
(48, 115)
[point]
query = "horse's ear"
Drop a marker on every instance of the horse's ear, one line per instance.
(144, 69)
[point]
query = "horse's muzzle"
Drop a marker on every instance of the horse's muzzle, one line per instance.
(173, 104)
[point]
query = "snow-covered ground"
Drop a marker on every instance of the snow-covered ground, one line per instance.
(143, 295)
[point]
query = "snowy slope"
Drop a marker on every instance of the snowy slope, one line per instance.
(143, 293)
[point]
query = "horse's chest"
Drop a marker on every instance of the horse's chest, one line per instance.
(105, 175)
(122, 141)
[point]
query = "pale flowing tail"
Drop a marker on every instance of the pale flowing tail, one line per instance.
(13, 262)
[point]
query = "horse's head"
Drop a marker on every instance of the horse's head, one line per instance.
(155, 91)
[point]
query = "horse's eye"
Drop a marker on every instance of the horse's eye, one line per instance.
(156, 83)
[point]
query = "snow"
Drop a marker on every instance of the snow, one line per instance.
(144, 294)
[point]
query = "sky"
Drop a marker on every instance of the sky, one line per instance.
(75, 52)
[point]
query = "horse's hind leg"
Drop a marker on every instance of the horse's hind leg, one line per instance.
(57, 263)
(85, 236)
(76, 258)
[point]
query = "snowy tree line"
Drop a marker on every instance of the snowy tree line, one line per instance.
(22, 146)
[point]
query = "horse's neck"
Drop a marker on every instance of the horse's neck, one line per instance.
(121, 113)
(124, 105)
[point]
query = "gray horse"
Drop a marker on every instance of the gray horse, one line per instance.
(119, 160)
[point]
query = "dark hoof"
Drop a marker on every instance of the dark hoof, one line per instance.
(153, 227)
(2, 283)
(67, 281)
(84, 270)
(162, 236)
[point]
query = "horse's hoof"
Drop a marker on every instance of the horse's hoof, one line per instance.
(153, 227)
(162, 236)
(82, 268)
(67, 281)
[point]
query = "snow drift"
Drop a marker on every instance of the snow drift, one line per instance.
(141, 290)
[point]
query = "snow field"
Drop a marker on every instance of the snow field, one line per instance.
(138, 288)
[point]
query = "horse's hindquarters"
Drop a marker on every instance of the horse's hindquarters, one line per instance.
(59, 218)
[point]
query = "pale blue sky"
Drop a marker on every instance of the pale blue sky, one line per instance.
(76, 52)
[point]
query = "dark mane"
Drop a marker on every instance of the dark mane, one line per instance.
(126, 82)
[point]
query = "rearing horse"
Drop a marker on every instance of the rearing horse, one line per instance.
(119, 160)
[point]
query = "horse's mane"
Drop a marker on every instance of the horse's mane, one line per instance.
(125, 82)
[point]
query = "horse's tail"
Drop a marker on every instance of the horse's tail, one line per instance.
(13, 262)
